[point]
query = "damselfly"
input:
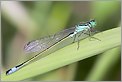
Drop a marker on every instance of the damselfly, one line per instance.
(44, 43)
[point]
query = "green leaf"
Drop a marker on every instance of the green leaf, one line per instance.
(104, 63)
(69, 54)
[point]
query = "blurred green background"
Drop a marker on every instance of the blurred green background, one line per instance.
(28, 20)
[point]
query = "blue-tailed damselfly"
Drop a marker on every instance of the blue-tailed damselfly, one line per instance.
(45, 43)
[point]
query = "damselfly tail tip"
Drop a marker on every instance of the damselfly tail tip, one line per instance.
(8, 72)
(12, 70)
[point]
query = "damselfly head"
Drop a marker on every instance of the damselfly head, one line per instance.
(93, 23)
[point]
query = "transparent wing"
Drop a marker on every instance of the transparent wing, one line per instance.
(46, 42)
